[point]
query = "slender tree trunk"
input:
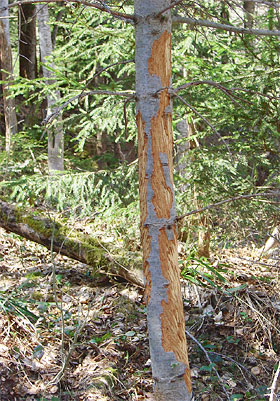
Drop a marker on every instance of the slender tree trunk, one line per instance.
(55, 132)
(249, 7)
(7, 75)
(56, 26)
(166, 324)
(27, 41)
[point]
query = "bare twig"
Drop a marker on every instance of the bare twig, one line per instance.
(65, 358)
(227, 91)
(172, 5)
(73, 345)
(127, 17)
(225, 27)
(256, 93)
(210, 362)
(204, 119)
(228, 358)
(220, 203)
(275, 384)
(266, 3)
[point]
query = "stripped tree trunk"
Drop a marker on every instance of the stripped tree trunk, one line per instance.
(168, 347)
(7, 75)
(55, 132)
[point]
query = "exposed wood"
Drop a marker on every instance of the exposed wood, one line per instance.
(271, 243)
(166, 323)
(69, 242)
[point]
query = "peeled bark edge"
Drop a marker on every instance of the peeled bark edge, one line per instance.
(165, 315)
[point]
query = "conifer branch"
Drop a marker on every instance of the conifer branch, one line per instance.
(204, 119)
(130, 95)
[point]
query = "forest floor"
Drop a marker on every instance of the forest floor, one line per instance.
(85, 338)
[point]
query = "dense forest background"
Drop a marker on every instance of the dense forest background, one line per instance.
(230, 144)
(226, 123)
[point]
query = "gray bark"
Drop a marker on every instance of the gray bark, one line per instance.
(165, 316)
(7, 75)
(55, 131)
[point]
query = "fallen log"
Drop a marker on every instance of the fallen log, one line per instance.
(33, 226)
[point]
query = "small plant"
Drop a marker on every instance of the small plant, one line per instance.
(16, 306)
(201, 272)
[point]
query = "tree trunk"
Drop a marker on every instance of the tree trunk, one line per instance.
(55, 132)
(71, 243)
(27, 41)
(7, 75)
(166, 324)
(187, 130)
(204, 235)
(249, 7)
(272, 242)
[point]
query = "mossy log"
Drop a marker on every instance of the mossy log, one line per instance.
(69, 242)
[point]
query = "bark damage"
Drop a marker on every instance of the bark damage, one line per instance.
(165, 315)
(163, 199)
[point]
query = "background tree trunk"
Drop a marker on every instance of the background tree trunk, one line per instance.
(55, 132)
(249, 7)
(27, 41)
(7, 75)
(166, 323)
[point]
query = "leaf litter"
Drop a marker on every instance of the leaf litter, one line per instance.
(97, 349)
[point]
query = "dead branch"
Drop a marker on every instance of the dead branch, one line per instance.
(220, 203)
(275, 384)
(225, 90)
(225, 27)
(100, 7)
(172, 5)
(209, 360)
(204, 119)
